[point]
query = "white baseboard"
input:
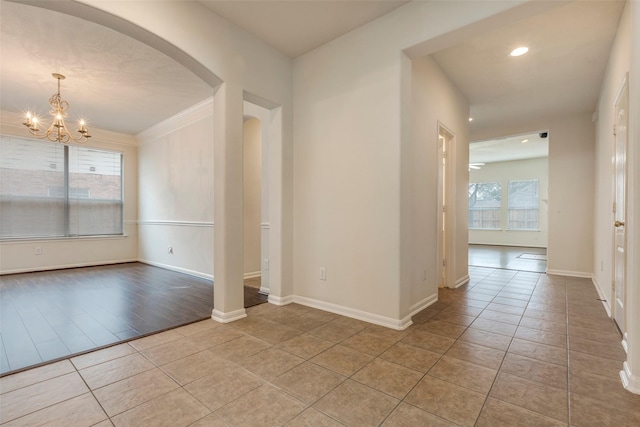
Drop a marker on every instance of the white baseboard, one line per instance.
(62, 267)
(252, 275)
(630, 381)
(177, 269)
(421, 305)
(461, 281)
(232, 316)
(570, 273)
(264, 290)
(281, 300)
(604, 301)
(353, 313)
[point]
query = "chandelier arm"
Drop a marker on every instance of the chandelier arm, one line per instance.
(58, 131)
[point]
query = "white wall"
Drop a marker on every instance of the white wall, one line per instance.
(571, 188)
(350, 100)
(18, 256)
(176, 192)
(619, 62)
(434, 100)
(504, 172)
(252, 171)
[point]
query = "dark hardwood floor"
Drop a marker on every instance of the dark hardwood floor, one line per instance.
(49, 315)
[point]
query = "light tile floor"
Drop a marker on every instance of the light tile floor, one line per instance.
(509, 349)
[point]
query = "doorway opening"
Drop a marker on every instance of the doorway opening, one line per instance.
(252, 202)
(508, 202)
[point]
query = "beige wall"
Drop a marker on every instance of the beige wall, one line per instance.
(176, 192)
(571, 188)
(252, 171)
(19, 256)
(618, 67)
(504, 172)
(434, 101)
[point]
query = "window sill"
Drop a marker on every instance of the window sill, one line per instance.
(515, 229)
(62, 239)
(486, 229)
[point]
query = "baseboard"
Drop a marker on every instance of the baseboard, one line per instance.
(461, 281)
(570, 273)
(264, 290)
(232, 316)
(177, 269)
(629, 381)
(604, 301)
(354, 313)
(62, 267)
(281, 300)
(625, 342)
(421, 305)
(252, 275)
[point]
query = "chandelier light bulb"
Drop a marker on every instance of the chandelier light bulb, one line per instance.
(58, 131)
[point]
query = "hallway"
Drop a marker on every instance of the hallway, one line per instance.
(510, 348)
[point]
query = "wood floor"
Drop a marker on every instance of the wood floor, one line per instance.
(508, 257)
(49, 315)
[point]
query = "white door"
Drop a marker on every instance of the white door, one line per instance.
(619, 207)
(445, 143)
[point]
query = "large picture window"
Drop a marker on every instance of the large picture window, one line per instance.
(57, 190)
(523, 205)
(484, 205)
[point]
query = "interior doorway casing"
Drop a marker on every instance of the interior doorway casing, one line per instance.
(621, 117)
(445, 207)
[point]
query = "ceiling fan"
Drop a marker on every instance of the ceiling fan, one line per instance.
(475, 165)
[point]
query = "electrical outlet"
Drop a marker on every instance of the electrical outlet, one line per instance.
(323, 273)
(266, 263)
(170, 250)
(37, 250)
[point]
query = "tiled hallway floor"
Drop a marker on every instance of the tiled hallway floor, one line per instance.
(509, 349)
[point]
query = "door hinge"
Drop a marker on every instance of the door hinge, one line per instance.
(444, 262)
(614, 130)
(444, 209)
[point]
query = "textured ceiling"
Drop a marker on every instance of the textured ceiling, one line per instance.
(114, 81)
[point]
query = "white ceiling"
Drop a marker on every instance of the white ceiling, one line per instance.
(122, 85)
(115, 82)
(518, 147)
(569, 49)
(296, 27)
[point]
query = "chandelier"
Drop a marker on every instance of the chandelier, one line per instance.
(58, 131)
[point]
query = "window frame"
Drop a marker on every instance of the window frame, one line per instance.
(69, 197)
(497, 209)
(536, 209)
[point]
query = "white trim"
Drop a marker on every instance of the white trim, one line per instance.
(178, 269)
(421, 305)
(629, 381)
(252, 274)
(199, 111)
(281, 300)
(62, 267)
(625, 342)
(265, 225)
(229, 317)
(604, 301)
(264, 290)
(29, 240)
(177, 223)
(569, 273)
(398, 324)
(462, 281)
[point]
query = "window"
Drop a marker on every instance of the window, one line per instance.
(523, 205)
(56, 190)
(484, 205)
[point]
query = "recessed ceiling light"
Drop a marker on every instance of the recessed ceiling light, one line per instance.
(470, 119)
(524, 141)
(519, 51)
